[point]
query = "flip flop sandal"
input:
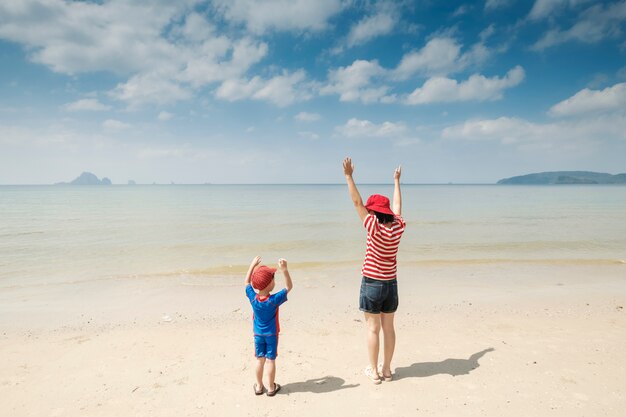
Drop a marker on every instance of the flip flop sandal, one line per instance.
(373, 376)
(386, 378)
(276, 389)
(258, 392)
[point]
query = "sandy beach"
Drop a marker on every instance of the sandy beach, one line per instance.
(494, 339)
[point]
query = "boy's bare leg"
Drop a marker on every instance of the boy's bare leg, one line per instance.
(260, 363)
(373, 343)
(271, 374)
(389, 335)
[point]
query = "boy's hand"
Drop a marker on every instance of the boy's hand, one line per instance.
(253, 264)
(348, 167)
(255, 261)
(282, 264)
(397, 173)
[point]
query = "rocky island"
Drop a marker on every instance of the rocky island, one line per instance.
(87, 178)
(565, 177)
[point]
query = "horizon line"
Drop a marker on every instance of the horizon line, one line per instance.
(243, 183)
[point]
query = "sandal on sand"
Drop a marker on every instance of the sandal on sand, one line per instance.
(276, 389)
(386, 378)
(258, 392)
(373, 375)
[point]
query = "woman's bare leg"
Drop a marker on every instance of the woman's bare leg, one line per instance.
(389, 336)
(373, 342)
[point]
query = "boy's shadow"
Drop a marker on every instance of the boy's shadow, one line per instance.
(317, 385)
(448, 366)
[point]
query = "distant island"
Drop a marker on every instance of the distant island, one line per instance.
(87, 178)
(565, 177)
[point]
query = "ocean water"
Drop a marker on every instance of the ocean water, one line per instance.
(56, 234)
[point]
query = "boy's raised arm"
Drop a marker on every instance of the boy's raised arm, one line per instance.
(253, 264)
(348, 169)
(397, 195)
(282, 264)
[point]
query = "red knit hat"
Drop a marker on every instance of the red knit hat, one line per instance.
(379, 203)
(262, 276)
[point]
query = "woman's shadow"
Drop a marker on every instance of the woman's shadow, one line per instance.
(448, 366)
(317, 385)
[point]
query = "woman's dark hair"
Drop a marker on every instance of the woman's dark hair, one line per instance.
(384, 217)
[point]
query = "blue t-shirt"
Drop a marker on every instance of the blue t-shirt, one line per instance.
(265, 312)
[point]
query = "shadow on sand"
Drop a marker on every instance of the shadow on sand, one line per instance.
(317, 385)
(449, 366)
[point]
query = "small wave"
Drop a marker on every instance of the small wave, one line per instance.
(460, 262)
(239, 269)
(21, 234)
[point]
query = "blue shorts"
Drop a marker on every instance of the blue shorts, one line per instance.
(378, 296)
(266, 347)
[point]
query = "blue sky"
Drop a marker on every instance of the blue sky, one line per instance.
(278, 91)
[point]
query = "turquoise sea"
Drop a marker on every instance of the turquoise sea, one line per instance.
(56, 234)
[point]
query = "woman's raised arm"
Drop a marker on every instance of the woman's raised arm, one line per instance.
(348, 169)
(397, 195)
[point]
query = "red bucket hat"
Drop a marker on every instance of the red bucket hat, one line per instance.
(262, 276)
(379, 203)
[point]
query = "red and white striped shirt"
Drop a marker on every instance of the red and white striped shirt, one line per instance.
(382, 247)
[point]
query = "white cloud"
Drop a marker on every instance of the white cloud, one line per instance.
(87, 104)
(55, 136)
(20, 136)
(476, 88)
(573, 134)
(440, 56)
(371, 27)
(164, 115)
(195, 28)
(497, 4)
(150, 88)
(307, 117)
(366, 129)
(281, 90)
(72, 37)
(207, 64)
(115, 124)
(167, 49)
(487, 32)
(181, 152)
(594, 24)
(357, 83)
(592, 101)
(461, 10)
(308, 135)
(404, 142)
(282, 15)
(544, 8)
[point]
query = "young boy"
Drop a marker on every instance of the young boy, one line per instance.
(265, 319)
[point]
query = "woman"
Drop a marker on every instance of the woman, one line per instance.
(379, 288)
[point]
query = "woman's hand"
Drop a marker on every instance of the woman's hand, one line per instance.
(397, 173)
(348, 167)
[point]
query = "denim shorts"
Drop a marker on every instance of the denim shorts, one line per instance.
(266, 346)
(378, 296)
